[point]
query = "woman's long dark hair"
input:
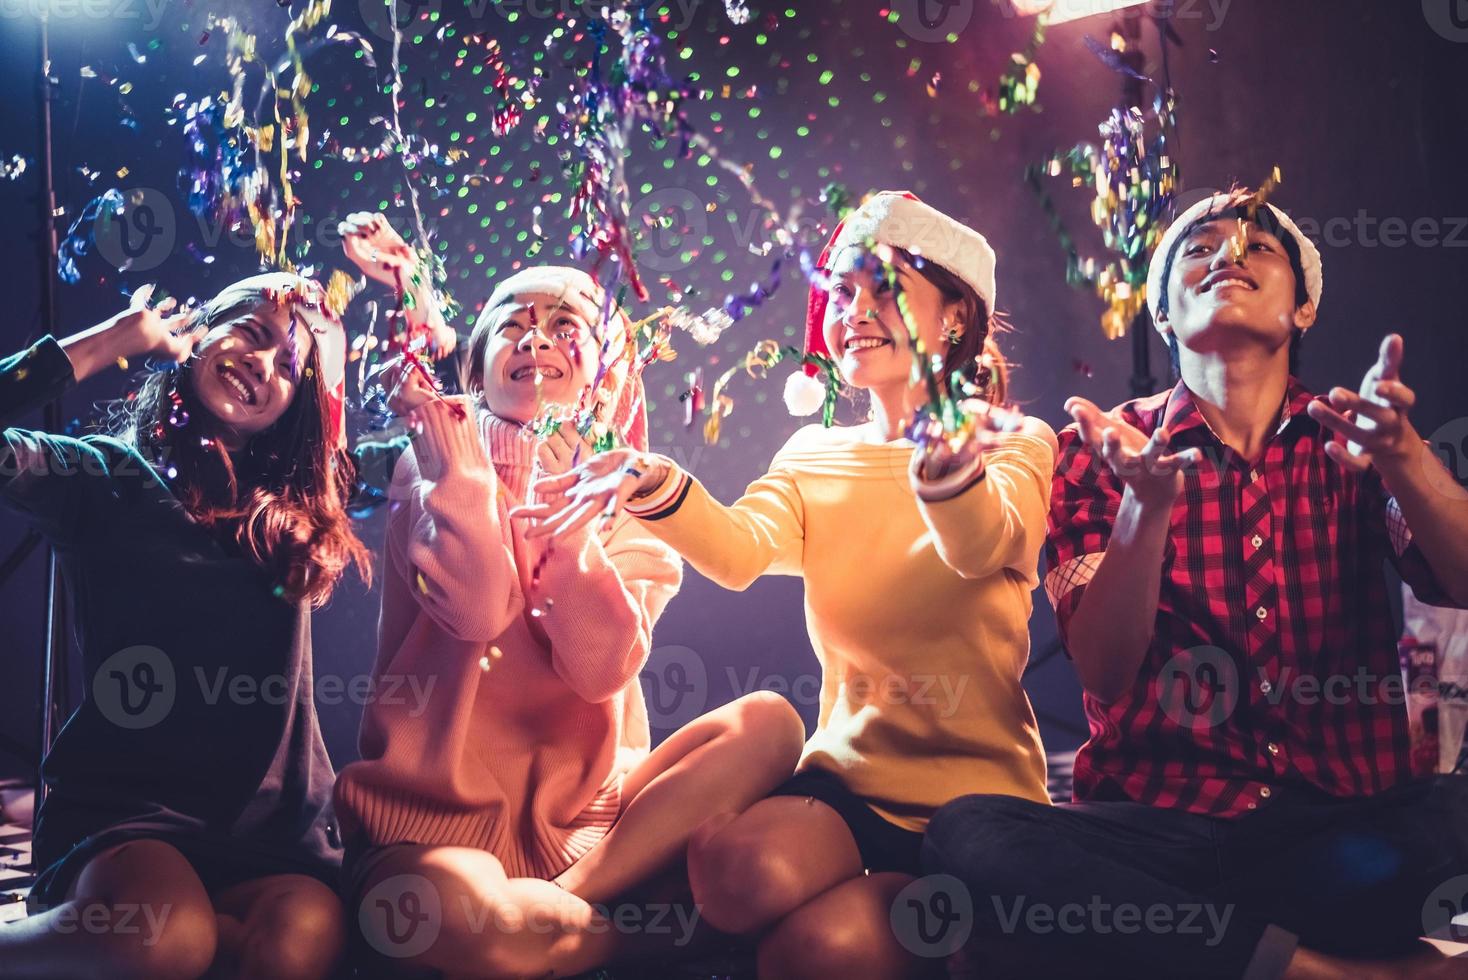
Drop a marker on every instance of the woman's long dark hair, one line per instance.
(281, 498)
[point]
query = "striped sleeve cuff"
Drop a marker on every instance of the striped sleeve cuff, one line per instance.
(665, 500)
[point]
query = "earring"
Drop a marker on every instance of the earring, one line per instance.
(952, 332)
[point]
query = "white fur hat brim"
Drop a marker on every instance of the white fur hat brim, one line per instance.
(1157, 285)
(896, 219)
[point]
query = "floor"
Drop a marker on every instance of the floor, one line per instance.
(16, 874)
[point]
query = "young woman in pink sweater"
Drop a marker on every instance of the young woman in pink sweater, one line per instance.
(492, 819)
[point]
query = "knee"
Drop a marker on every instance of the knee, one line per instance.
(299, 935)
(775, 725)
(977, 837)
(821, 947)
(740, 882)
(145, 897)
(172, 941)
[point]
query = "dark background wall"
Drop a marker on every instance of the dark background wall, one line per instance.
(1361, 103)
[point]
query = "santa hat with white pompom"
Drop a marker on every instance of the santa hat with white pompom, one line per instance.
(900, 220)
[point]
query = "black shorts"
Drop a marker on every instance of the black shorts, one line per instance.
(884, 846)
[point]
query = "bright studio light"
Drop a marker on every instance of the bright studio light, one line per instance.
(1061, 11)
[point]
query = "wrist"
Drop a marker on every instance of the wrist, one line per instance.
(654, 470)
(950, 485)
(93, 349)
(1148, 507)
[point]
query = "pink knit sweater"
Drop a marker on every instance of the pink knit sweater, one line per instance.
(506, 711)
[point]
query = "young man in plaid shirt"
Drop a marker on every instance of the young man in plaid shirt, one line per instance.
(1246, 804)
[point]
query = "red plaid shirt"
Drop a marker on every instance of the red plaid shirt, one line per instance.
(1274, 660)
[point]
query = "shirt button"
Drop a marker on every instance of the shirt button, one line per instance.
(1265, 792)
(1265, 687)
(1253, 805)
(1256, 540)
(1273, 748)
(1261, 612)
(1253, 475)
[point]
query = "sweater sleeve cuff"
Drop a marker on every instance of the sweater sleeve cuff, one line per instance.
(951, 486)
(446, 439)
(666, 499)
(36, 375)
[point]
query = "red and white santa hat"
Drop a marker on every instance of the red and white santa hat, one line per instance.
(1223, 205)
(899, 219)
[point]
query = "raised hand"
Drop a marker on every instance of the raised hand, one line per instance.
(373, 246)
(1372, 423)
(564, 449)
(599, 487)
(139, 331)
(408, 385)
(1141, 463)
(943, 465)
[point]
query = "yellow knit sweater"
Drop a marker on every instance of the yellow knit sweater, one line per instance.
(918, 612)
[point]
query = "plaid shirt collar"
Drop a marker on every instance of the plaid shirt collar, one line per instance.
(1181, 413)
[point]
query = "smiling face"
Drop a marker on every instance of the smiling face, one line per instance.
(245, 369)
(541, 350)
(1232, 279)
(864, 329)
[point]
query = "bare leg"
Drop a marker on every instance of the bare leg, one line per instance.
(845, 932)
(288, 927)
(453, 909)
(136, 910)
(721, 762)
(1428, 964)
(755, 869)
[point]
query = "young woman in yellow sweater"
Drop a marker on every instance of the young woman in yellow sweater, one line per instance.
(918, 563)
